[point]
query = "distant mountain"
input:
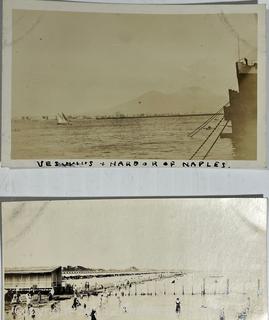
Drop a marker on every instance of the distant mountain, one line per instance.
(74, 268)
(81, 268)
(131, 269)
(189, 100)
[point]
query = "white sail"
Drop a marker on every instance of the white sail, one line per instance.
(61, 119)
(64, 117)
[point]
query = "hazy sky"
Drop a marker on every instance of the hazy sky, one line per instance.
(220, 234)
(89, 62)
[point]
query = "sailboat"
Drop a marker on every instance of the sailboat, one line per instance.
(62, 119)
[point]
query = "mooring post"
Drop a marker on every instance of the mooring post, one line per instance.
(228, 286)
(203, 292)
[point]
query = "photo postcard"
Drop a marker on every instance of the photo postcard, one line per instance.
(135, 259)
(103, 85)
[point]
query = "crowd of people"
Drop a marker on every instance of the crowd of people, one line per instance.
(17, 301)
(78, 303)
(16, 308)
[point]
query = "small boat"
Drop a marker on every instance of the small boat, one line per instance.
(62, 119)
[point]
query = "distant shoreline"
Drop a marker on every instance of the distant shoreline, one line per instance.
(156, 116)
(81, 117)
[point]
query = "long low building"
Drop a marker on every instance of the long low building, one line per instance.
(79, 274)
(33, 278)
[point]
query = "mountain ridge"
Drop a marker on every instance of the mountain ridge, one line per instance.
(190, 101)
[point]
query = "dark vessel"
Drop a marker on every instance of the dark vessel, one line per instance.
(242, 111)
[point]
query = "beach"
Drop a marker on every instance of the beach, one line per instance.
(153, 297)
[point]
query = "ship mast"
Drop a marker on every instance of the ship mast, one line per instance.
(238, 47)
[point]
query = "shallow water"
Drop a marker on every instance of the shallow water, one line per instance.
(133, 138)
(162, 305)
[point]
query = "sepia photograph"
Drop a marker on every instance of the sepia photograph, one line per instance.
(135, 259)
(87, 81)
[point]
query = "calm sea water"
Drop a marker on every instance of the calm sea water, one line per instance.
(133, 138)
(243, 294)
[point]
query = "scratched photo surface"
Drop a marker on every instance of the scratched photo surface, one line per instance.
(135, 259)
(102, 85)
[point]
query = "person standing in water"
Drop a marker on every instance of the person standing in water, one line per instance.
(76, 303)
(222, 315)
(92, 315)
(177, 305)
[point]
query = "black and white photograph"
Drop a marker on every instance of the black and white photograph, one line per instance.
(135, 259)
(89, 81)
